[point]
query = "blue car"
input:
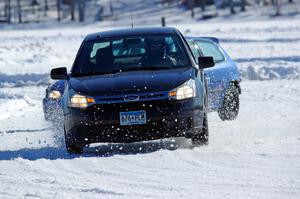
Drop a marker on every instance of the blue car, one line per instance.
(223, 82)
(223, 79)
(52, 102)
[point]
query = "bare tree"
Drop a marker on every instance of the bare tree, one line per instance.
(72, 6)
(191, 6)
(58, 3)
(231, 6)
(111, 8)
(19, 11)
(203, 3)
(81, 9)
(46, 7)
(8, 12)
(243, 5)
(5, 8)
(277, 7)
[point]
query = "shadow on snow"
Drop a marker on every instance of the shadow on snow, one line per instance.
(105, 150)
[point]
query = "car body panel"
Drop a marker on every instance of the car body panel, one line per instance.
(127, 82)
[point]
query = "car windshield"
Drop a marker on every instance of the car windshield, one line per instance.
(143, 52)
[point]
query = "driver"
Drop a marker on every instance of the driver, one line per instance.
(156, 54)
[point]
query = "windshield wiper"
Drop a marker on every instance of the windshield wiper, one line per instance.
(156, 68)
(144, 68)
(122, 70)
(91, 73)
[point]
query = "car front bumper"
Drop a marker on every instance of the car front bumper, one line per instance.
(165, 118)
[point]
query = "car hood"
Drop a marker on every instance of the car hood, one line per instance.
(131, 82)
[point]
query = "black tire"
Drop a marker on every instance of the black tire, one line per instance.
(231, 104)
(201, 136)
(72, 147)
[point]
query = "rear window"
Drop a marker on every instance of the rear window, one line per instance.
(211, 49)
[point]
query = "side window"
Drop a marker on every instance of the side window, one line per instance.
(211, 49)
(96, 47)
(195, 50)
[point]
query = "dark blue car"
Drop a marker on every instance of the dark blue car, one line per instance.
(131, 85)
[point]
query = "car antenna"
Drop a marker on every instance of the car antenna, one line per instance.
(131, 21)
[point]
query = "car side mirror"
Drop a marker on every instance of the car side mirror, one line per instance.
(59, 73)
(206, 62)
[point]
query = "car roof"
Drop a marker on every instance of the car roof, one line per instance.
(131, 32)
(211, 39)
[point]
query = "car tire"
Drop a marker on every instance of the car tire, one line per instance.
(201, 136)
(231, 104)
(71, 146)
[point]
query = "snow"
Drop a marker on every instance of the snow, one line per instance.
(255, 156)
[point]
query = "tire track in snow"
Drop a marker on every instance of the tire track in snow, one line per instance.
(19, 80)
(25, 130)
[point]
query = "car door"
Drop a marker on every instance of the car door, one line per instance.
(196, 52)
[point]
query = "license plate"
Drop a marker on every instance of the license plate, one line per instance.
(132, 118)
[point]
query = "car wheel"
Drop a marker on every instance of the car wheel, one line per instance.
(72, 147)
(201, 137)
(231, 104)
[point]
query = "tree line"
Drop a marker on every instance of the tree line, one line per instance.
(12, 9)
(231, 4)
(17, 10)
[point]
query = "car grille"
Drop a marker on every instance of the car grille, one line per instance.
(132, 97)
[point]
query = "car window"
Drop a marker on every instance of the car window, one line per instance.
(128, 47)
(112, 55)
(195, 50)
(96, 47)
(211, 49)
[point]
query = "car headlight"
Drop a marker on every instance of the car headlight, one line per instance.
(54, 95)
(184, 91)
(80, 101)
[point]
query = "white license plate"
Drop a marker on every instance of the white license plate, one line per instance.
(132, 118)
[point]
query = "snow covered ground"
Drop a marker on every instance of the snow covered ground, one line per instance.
(255, 156)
